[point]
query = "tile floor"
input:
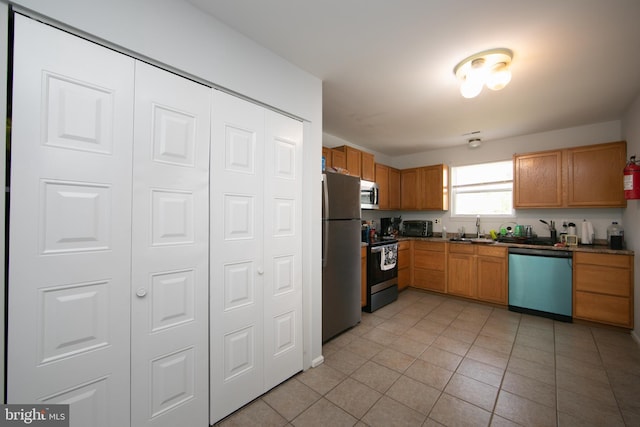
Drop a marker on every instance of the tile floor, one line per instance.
(430, 360)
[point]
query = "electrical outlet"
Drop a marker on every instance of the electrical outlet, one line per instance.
(437, 221)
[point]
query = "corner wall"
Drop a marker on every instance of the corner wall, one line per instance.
(631, 217)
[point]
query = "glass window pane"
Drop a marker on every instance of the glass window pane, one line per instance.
(485, 172)
(490, 203)
(483, 189)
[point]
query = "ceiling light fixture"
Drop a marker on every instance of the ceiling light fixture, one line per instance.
(490, 68)
(475, 142)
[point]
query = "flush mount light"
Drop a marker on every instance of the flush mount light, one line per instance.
(490, 68)
(475, 142)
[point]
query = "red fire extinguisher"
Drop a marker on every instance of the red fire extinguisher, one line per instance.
(632, 179)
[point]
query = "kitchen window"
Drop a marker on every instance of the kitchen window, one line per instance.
(482, 189)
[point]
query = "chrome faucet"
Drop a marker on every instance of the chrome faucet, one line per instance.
(478, 226)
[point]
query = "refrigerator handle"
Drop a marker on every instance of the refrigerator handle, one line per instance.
(325, 214)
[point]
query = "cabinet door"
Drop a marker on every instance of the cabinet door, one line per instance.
(354, 158)
(326, 153)
(394, 188)
(404, 264)
(432, 188)
(409, 189)
(491, 273)
(367, 166)
(594, 175)
(338, 159)
(382, 179)
(537, 180)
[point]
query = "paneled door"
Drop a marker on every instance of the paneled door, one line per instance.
(70, 226)
(170, 251)
(256, 249)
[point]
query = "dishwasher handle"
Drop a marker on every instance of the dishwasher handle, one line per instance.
(550, 253)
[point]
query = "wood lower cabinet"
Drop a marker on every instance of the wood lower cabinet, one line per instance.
(603, 288)
(580, 177)
(363, 280)
(478, 272)
(492, 273)
(404, 264)
(430, 265)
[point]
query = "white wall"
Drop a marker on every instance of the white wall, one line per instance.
(631, 218)
(179, 37)
(504, 149)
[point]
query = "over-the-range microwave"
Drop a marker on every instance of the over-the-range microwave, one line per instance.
(369, 193)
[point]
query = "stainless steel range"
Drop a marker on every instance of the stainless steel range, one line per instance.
(382, 274)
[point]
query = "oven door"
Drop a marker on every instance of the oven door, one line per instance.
(375, 274)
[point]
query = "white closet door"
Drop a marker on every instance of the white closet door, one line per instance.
(256, 252)
(70, 225)
(283, 248)
(237, 268)
(169, 343)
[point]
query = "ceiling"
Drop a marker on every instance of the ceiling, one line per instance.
(387, 65)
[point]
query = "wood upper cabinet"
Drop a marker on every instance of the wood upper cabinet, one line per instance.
(595, 175)
(353, 158)
(425, 188)
(394, 188)
(388, 180)
(433, 186)
(338, 159)
(603, 288)
(382, 179)
(588, 176)
(409, 189)
(537, 180)
(328, 157)
(367, 166)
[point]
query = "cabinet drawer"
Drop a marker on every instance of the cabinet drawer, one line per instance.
(489, 250)
(429, 246)
(462, 248)
(429, 260)
(404, 244)
(604, 280)
(603, 308)
(607, 260)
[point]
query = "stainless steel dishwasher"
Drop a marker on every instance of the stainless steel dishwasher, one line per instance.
(540, 282)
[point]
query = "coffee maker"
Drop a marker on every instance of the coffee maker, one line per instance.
(386, 227)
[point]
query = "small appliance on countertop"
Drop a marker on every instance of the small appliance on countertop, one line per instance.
(418, 228)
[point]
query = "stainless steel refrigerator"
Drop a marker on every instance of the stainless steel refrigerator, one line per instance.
(341, 225)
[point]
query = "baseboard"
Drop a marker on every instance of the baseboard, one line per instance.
(635, 336)
(317, 361)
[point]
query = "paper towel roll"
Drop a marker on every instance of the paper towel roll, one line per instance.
(586, 237)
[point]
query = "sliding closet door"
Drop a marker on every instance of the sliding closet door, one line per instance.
(170, 324)
(283, 248)
(256, 252)
(70, 225)
(237, 268)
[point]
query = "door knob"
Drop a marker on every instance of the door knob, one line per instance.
(141, 292)
(260, 271)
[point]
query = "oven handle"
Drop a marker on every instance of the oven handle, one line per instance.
(377, 249)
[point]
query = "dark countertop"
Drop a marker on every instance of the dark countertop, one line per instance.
(597, 248)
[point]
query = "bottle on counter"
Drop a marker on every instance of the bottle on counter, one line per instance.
(444, 232)
(615, 236)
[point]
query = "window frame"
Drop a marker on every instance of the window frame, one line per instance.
(454, 192)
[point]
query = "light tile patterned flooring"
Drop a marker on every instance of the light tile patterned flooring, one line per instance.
(430, 360)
